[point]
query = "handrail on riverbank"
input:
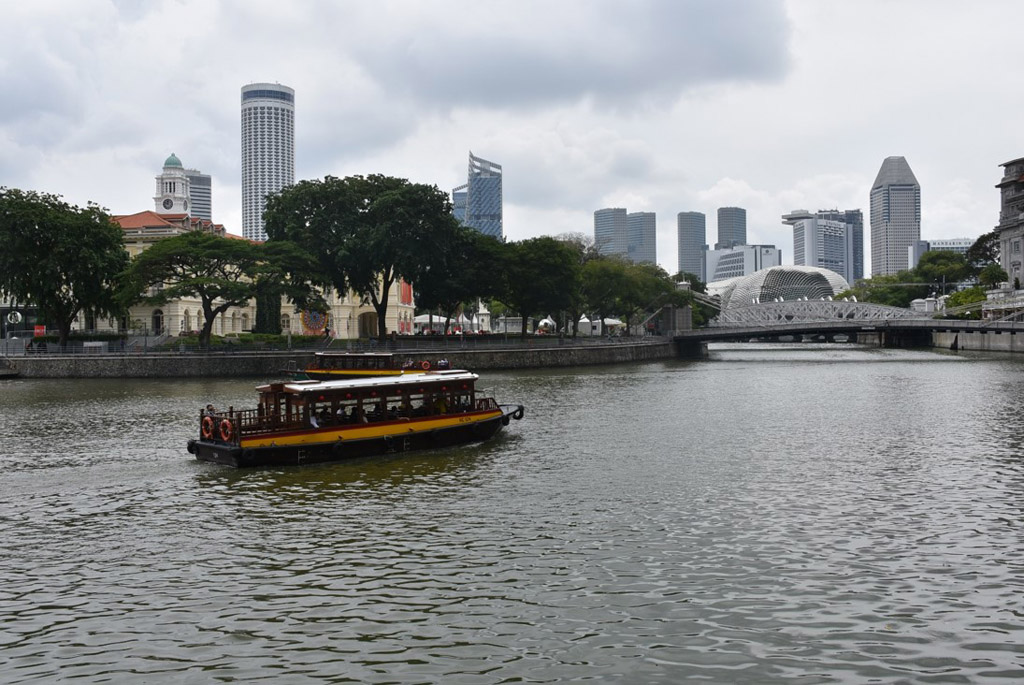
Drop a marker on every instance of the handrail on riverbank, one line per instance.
(411, 345)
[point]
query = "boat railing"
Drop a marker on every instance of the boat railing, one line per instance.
(486, 404)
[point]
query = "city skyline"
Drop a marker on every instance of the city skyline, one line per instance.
(571, 132)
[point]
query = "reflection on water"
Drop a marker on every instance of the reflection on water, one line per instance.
(821, 513)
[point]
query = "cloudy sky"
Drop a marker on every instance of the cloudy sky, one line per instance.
(663, 106)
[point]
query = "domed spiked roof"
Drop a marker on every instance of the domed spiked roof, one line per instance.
(172, 161)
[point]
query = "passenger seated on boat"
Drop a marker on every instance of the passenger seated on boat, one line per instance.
(209, 411)
(325, 417)
(312, 420)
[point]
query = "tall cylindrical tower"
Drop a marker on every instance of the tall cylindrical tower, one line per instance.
(268, 150)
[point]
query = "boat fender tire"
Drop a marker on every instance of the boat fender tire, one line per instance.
(226, 431)
(207, 427)
(504, 420)
(518, 414)
(191, 447)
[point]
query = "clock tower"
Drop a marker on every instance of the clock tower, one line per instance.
(172, 188)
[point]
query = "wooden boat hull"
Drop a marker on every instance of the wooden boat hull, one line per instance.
(329, 445)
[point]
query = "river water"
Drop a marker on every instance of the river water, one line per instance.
(811, 513)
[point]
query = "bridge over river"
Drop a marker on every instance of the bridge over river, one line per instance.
(861, 321)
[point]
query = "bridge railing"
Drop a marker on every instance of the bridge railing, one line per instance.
(806, 311)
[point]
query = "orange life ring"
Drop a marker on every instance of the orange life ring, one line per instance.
(207, 427)
(425, 366)
(226, 430)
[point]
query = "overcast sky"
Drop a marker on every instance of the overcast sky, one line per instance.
(662, 106)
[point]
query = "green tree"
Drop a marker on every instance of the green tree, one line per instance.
(696, 285)
(962, 298)
(539, 277)
(365, 232)
(896, 290)
(220, 272)
(647, 287)
(604, 280)
(585, 251)
(985, 250)
(992, 275)
(61, 258)
(942, 268)
(464, 270)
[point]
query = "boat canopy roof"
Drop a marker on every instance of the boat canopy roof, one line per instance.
(386, 382)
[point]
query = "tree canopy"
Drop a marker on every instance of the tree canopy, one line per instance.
(538, 276)
(61, 258)
(220, 272)
(366, 232)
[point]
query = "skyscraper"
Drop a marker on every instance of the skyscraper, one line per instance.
(732, 227)
(268, 150)
(477, 203)
(611, 233)
(692, 245)
(641, 237)
(826, 240)
(895, 216)
(200, 194)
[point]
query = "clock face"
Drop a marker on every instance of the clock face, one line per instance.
(168, 203)
(185, 205)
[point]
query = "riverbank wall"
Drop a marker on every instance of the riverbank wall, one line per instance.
(264, 364)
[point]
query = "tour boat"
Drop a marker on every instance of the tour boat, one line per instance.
(308, 421)
(337, 365)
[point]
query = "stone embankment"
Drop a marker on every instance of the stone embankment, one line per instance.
(264, 364)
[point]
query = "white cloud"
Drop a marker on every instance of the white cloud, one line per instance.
(662, 106)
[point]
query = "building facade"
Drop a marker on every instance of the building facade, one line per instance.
(691, 242)
(641, 237)
(825, 240)
(732, 227)
(268, 150)
(1010, 229)
(742, 260)
(895, 216)
(917, 250)
(611, 231)
(478, 202)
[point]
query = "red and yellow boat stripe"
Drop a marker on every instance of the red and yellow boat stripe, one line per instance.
(364, 431)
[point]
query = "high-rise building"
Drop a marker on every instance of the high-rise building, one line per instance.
(477, 203)
(268, 150)
(827, 240)
(732, 227)
(200, 194)
(854, 219)
(691, 229)
(741, 260)
(611, 233)
(895, 216)
(172, 188)
(641, 237)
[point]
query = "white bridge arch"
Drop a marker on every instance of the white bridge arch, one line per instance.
(810, 311)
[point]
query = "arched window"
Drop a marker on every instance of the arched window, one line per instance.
(186, 321)
(286, 323)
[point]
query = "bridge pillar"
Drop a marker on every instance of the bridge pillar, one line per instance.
(691, 349)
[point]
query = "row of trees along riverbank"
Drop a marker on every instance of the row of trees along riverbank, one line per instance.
(359, 233)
